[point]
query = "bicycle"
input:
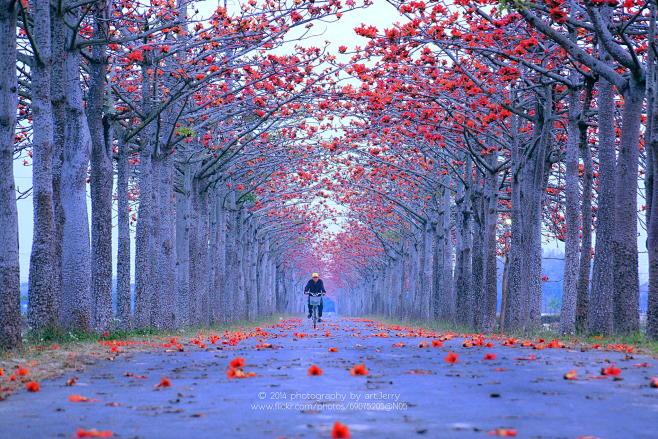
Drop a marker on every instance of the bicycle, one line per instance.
(314, 300)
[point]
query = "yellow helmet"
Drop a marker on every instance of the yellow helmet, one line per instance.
(315, 275)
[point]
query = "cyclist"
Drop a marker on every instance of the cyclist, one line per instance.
(315, 287)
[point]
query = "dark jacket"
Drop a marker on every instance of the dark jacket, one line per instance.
(315, 287)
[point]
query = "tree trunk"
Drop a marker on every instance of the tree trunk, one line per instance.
(261, 276)
(183, 229)
(145, 279)
(223, 295)
(503, 292)
(58, 99)
(535, 179)
(213, 255)
(76, 311)
(599, 306)
(166, 246)
(143, 242)
(490, 275)
(650, 186)
(586, 214)
(199, 253)
(572, 215)
(463, 266)
(515, 310)
(241, 262)
(231, 277)
(124, 313)
(43, 296)
(536, 192)
(424, 306)
(626, 298)
(10, 281)
(154, 259)
(477, 305)
(251, 290)
(101, 180)
(412, 280)
(447, 292)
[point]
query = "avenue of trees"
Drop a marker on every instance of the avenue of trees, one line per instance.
(190, 123)
(237, 158)
(485, 128)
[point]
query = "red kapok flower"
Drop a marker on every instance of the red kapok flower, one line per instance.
(79, 398)
(164, 383)
(359, 369)
(504, 432)
(610, 371)
(93, 433)
(451, 358)
(571, 375)
(314, 370)
(340, 431)
(237, 362)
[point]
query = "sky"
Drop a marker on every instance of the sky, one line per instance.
(380, 14)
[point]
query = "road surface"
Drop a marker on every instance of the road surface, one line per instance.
(409, 391)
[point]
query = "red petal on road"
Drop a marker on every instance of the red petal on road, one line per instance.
(164, 383)
(451, 358)
(340, 431)
(503, 432)
(93, 433)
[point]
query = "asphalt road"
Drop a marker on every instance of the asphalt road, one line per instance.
(409, 391)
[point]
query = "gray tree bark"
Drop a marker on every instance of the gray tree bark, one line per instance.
(599, 314)
(490, 269)
(10, 282)
(199, 253)
(183, 200)
(446, 290)
(231, 278)
(477, 308)
(76, 311)
(585, 268)
(43, 295)
(423, 306)
(223, 295)
(463, 264)
(515, 311)
(102, 178)
(241, 305)
(145, 279)
(650, 185)
(626, 297)
(58, 99)
(166, 256)
(572, 215)
(154, 303)
(124, 312)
